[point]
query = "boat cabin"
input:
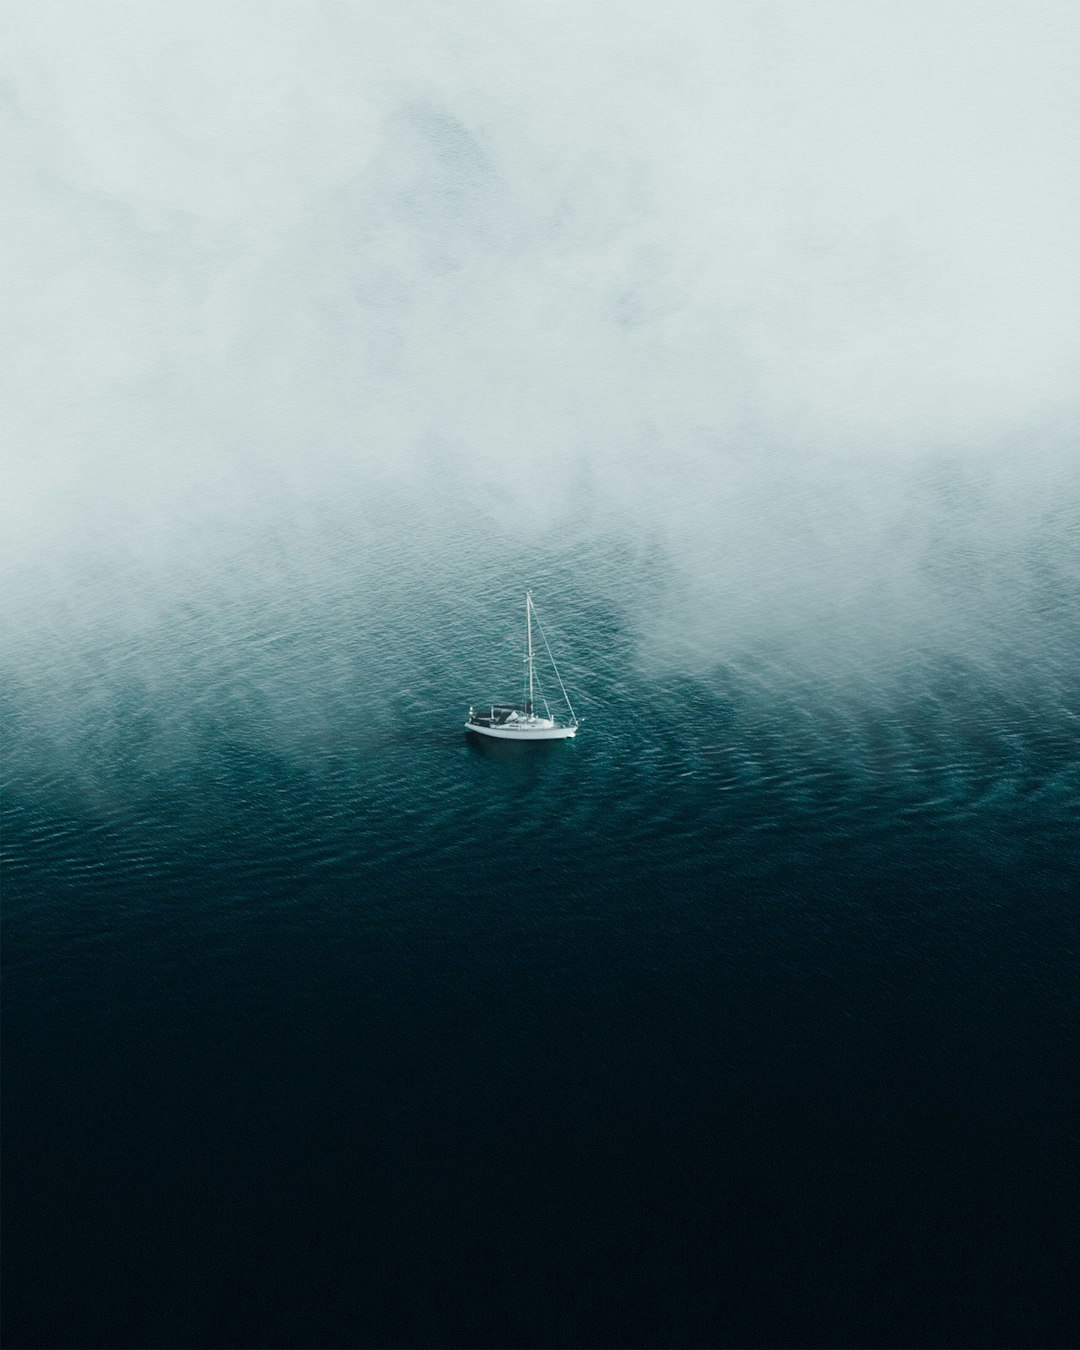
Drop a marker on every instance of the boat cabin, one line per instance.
(498, 714)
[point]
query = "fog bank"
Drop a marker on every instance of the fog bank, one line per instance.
(782, 299)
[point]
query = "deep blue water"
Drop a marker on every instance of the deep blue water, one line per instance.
(749, 1018)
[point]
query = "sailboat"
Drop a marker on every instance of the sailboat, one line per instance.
(521, 721)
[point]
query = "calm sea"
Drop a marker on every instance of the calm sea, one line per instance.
(748, 1018)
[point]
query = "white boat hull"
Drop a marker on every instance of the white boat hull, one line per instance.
(541, 730)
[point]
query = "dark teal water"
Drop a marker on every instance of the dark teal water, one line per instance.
(749, 1018)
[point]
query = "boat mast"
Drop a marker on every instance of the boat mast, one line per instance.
(529, 658)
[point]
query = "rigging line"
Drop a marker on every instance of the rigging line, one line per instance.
(540, 688)
(553, 665)
(536, 679)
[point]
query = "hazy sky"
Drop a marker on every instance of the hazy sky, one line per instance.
(727, 276)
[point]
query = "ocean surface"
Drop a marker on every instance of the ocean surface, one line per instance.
(748, 1018)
